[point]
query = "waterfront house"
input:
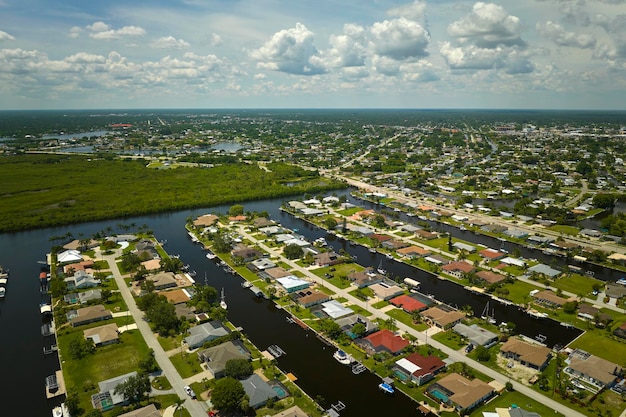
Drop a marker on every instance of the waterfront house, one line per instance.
(82, 297)
(205, 332)
(103, 335)
(620, 331)
(545, 270)
(307, 298)
(205, 220)
(258, 391)
(292, 283)
(423, 234)
(413, 252)
(81, 280)
(152, 264)
(177, 296)
(383, 341)
(149, 410)
(260, 265)
(614, 290)
(327, 259)
(245, 253)
(386, 290)
(106, 398)
(78, 266)
(394, 244)
(408, 303)
(458, 268)
(334, 309)
(262, 222)
(528, 354)
(490, 277)
(548, 299)
(419, 369)
(464, 247)
(592, 369)
(163, 280)
(347, 323)
(69, 256)
(365, 278)
(215, 358)
(88, 315)
(442, 316)
(476, 334)
(274, 273)
(459, 392)
(491, 254)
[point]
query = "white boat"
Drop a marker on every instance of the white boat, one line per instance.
(386, 388)
(223, 301)
(380, 269)
(342, 357)
(57, 411)
(2, 292)
(490, 318)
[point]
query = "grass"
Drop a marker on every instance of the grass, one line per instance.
(404, 317)
(597, 343)
(563, 229)
(359, 310)
(576, 284)
(450, 339)
(507, 399)
(380, 304)
(186, 364)
(519, 291)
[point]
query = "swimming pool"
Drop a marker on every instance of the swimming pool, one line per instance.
(439, 395)
(280, 391)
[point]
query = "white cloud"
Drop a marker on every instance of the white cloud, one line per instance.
(291, 51)
(101, 30)
(348, 49)
(216, 40)
(412, 11)
(75, 32)
(399, 39)
(169, 42)
(6, 37)
(557, 34)
(85, 58)
(476, 58)
(488, 26)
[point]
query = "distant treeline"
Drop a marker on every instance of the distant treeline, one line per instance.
(49, 190)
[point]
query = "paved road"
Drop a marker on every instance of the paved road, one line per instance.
(421, 336)
(195, 408)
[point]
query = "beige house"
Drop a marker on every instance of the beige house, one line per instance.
(103, 335)
(444, 319)
(528, 354)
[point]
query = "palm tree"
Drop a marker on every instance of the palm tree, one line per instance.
(179, 405)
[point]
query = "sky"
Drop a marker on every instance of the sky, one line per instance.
(120, 54)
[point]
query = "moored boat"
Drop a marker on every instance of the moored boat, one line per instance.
(342, 357)
(386, 388)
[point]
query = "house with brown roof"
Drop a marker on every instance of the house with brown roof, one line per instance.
(78, 266)
(426, 235)
(215, 358)
(177, 296)
(385, 291)
(205, 220)
(459, 392)
(620, 331)
(592, 369)
(103, 335)
(458, 268)
(383, 341)
(259, 222)
(327, 259)
(491, 254)
(245, 253)
(394, 244)
(549, 299)
(240, 218)
(442, 317)
(379, 238)
(149, 410)
(420, 369)
(413, 252)
(528, 354)
(365, 278)
(308, 298)
(490, 277)
(163, 280)
(152, 264)
(88, 315)
(276, 272)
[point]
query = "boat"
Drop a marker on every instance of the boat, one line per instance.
(540, 338)
(211, 255)
(246, 284)
(223, 301)
(380, 269)
(342, 357)
(621, 281)
(57, 411)
(389, 256)
(488, 317)
(358, 367)
(462, 228)
(2, 292)
(372, 250)
(535, 314)
(386, 388)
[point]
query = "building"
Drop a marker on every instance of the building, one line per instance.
(545, 270)
(408, 303)
(307, 298)
(458, 268)
(549, 299)
(413, 252)
(420, 369)
(476, 335)
(102, 335)
(490, 277)
(528, 354)
(245, 253)
(205, 332)
(386, 291)
(327, 259)
(365, 278)
(149, 410)
(88, 315)
(442, 317)
(592, 369)
(106, 398)
(258, 391)
(215, 358)
(491, 254)
(383, 341)
(620, 331)
(81, 280)
(163, 280)
(334, 309)
(292, 283)
(459, 392)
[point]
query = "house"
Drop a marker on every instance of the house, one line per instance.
(106, 398)
(177, 296)
(77, 266)
(205, 332)
(149, 410)
(413, 252)
(549, 299)
(69, 256)
(380, 238)
(592, 369)
(275, 273)
(408, 303)
(327, 259)
(152, 264)
(459, 392)
(620, 331)
(258, 391)
(307, 298)
(245, 253)
(294, 411)
(442, 316)
(163, 280)
(458, 268)
(545, 270)
(260, 222)
(88, 315)
(490, 277)
(423, 234)
(261, 265)
(385, 290)
(383, 341)
(334, 309)
(81, 280)
(365, 278)
(347, 323)
(420, 369)
(215, 358)
(491, 254)
(292, 283)
(476, 334)
(615, 290)
(102, 335)
(464, 247)
(205, 220)
(510, 412)
(528, 354)
(585, 311)
(394, 244)
(83, 297)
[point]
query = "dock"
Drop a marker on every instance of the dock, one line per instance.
(55, 385)
(358, 367)
(276, 351)
(51, 349)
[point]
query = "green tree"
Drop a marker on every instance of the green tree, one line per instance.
(220, 245)
(238, 368)
(293, 251)
(227, 394)
(80, 347)
(148, 364)
(359, 330)
(482, 353)
(171, 264)
(236, 210)
(135, 388)
(330, 223)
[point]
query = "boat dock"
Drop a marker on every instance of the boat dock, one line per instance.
(276, 351)
(358, 367)
(55, 385)
(51, 349)
(334, 409)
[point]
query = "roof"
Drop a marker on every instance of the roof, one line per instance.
(176, 296)
(549, 296)
(385, 291)
(458, 266)
(294, 411)
(419, 365)
(102, 334)
(90, 313)
(544, 270)
(292, 281)
(313, 298)
(257, 390)
(163, 279)
(387, 339)
(414, 250)
(109, 385)
(442, 317)
(335, 309)
(475, 334)
(464, 392)
(149, 410)
(491, 253)
(205, 332)
(490, 277)
(527, 352)
(593, 366)
(407, 303)
(217, 356)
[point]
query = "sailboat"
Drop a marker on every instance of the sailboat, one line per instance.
(486, 316)
(223, 302)
(380, 269)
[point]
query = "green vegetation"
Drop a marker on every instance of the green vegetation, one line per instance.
(508, 398)
(62, 189)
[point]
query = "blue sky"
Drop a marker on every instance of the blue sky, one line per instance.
(548, 54)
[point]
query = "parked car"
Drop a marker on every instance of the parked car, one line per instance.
(189, 391)
(469, 348)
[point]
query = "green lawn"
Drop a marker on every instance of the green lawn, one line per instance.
(564, 229)
(507, 399)
(597, 343)
(187, 364)
(404, 317)
(450, 339)
(577, 284)
(359, 310)
(380, 304)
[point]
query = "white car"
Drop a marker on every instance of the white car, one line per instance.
(189, 391)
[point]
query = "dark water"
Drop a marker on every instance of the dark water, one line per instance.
(25, 367)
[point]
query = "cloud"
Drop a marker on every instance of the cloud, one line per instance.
(291, 51)
(476, 58)
(75, 32)
(488, 26)
(6, 37)
(399, 39)
(560, 36)
(216, 40)
(348, 49)
(85, 58)
(101, 30)
(412, 11)
(169, 42)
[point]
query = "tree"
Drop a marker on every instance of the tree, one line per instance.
(293, 251)
(236, 210)
(220, 245)
(80, 347)
(359, 330)
(171, 264)
(330, 223)
(135, 388)
(148, 364)
(227, 394)
(482, 353)
(238, 368)
(72, 402)
(570, 307)
(179, 406)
